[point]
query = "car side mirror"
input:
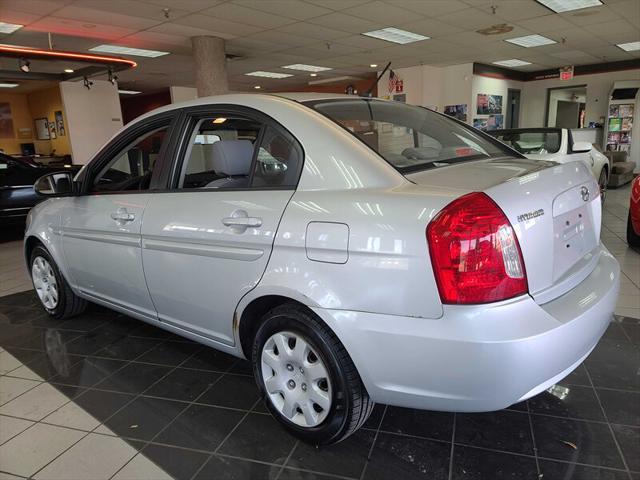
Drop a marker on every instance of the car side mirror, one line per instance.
(581, 147)
(55, 184)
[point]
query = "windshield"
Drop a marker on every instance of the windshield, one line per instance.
(409, 138)
(530, 142)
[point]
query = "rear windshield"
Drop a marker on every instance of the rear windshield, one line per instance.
(409, 138)
(531, 143)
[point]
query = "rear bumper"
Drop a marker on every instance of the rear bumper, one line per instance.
(479, 358)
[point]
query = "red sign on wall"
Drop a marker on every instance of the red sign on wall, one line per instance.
(566, 73)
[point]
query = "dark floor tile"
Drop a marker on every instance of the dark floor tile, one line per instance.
(211, 359)
(293, 474)
(178, 463)
(27, 298)
(134, 378)
(259, 437)
(261, 407)
(201, 427)
(571, 471)
(577, 377)
(88, 372)
(631, 327)
(519, 407)
(406, 458)
(183, 384)
(615, 365)
(476, 464)
(147, 330)
(235, 391)
(615, 332)
(629, 441)
(85, 323)
(127, 348)
(90, 342)
(571, 401)
(144, 417)
(48, 365)
(242, 367)
(102, 405)
(423, 423)
(225, 468)
(621, 407)
(504, 430)
(25, 356)
(593, 441)
(347, 458)
(375, 418)
(120, 325)
(170, 353)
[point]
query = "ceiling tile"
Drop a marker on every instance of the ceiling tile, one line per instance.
(283, 39)
(590, 16)
(469, 19)
(546, 23)
(338, 4)
(242, 15)
(287, 8)
(431, 8)
(383, 13)
(89, 15)
(133, 8)
(217, 26)
(156, 40)
(190, 5)
(348, 23)
(315, 31)
(514, 10)
(78, 28)
(431, 28)
(17, 17)
(37, 7)
(364, 42)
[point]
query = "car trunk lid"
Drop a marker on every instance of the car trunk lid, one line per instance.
(554, 209)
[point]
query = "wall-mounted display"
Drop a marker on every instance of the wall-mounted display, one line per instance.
(60, 123)
(620, 126)
(495, 122)
(488, 104)
(480, 123)
(42, 128)
(457, 111)
(6, 120)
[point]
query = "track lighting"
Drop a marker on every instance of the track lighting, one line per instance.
(25, 65)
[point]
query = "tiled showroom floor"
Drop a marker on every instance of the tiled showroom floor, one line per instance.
(104, 396)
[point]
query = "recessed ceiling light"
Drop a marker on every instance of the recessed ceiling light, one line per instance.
(138, 52)
(69, 70)
(9, 27)
(560, 6)
(629, 47)
(514, 62)
(128, 92)
(257, 87)
(8, 85)
(529, 41)
(396, 35)
(373, 65)
(307, 68)
(260, 73)
(313, 74)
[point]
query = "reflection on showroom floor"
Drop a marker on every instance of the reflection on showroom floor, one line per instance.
(105, 396)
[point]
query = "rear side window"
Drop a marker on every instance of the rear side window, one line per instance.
(239, 152)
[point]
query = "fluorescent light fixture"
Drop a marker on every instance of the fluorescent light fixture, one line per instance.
(260, 73)
(313, 74)
(128, 92)
(257, 87)
(396, 35)
(629, 47)
(373, 65)
(219, 120)
(138, 52)
(69, 70)
(529, 41)
(560, 6)
(9, 27)
(307, 68)
(8, 85)
(514, 62)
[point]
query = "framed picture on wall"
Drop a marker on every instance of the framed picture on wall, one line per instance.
(42, 128)
(52, 130)
(60, 123)
(6, 120)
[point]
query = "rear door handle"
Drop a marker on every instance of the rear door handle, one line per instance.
(122, 216)
(242, 222)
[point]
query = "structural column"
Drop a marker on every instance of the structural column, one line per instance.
(210, 65)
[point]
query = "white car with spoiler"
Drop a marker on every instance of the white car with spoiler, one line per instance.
(560, 145)
(354, 250)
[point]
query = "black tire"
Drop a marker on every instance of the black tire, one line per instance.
(602, 184)
(633, 239)
(351, 405)
(69, 304)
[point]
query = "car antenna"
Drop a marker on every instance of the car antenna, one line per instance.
(367, 92)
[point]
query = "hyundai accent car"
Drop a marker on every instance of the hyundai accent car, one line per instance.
(558, 145)
(354, 250)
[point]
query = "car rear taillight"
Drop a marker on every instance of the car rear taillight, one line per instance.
(475, 253)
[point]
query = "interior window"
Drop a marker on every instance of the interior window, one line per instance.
(279, 160)
(220, 153)
(132, 168)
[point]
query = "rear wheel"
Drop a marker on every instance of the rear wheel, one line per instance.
(52, 289)
(308, 380)
(603, 180)
(633, 239)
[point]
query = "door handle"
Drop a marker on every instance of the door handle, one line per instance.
(121, 216)
(242, 222)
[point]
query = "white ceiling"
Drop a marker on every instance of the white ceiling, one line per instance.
(268, 34)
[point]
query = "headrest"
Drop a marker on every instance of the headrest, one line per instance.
(232, 157)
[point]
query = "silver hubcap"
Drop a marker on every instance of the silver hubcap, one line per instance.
(296, 380)
(45, 282)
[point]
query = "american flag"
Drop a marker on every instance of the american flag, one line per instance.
(393, 81)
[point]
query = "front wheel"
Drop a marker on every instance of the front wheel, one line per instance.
(307, 378)
(52, 289)
(603, 180)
